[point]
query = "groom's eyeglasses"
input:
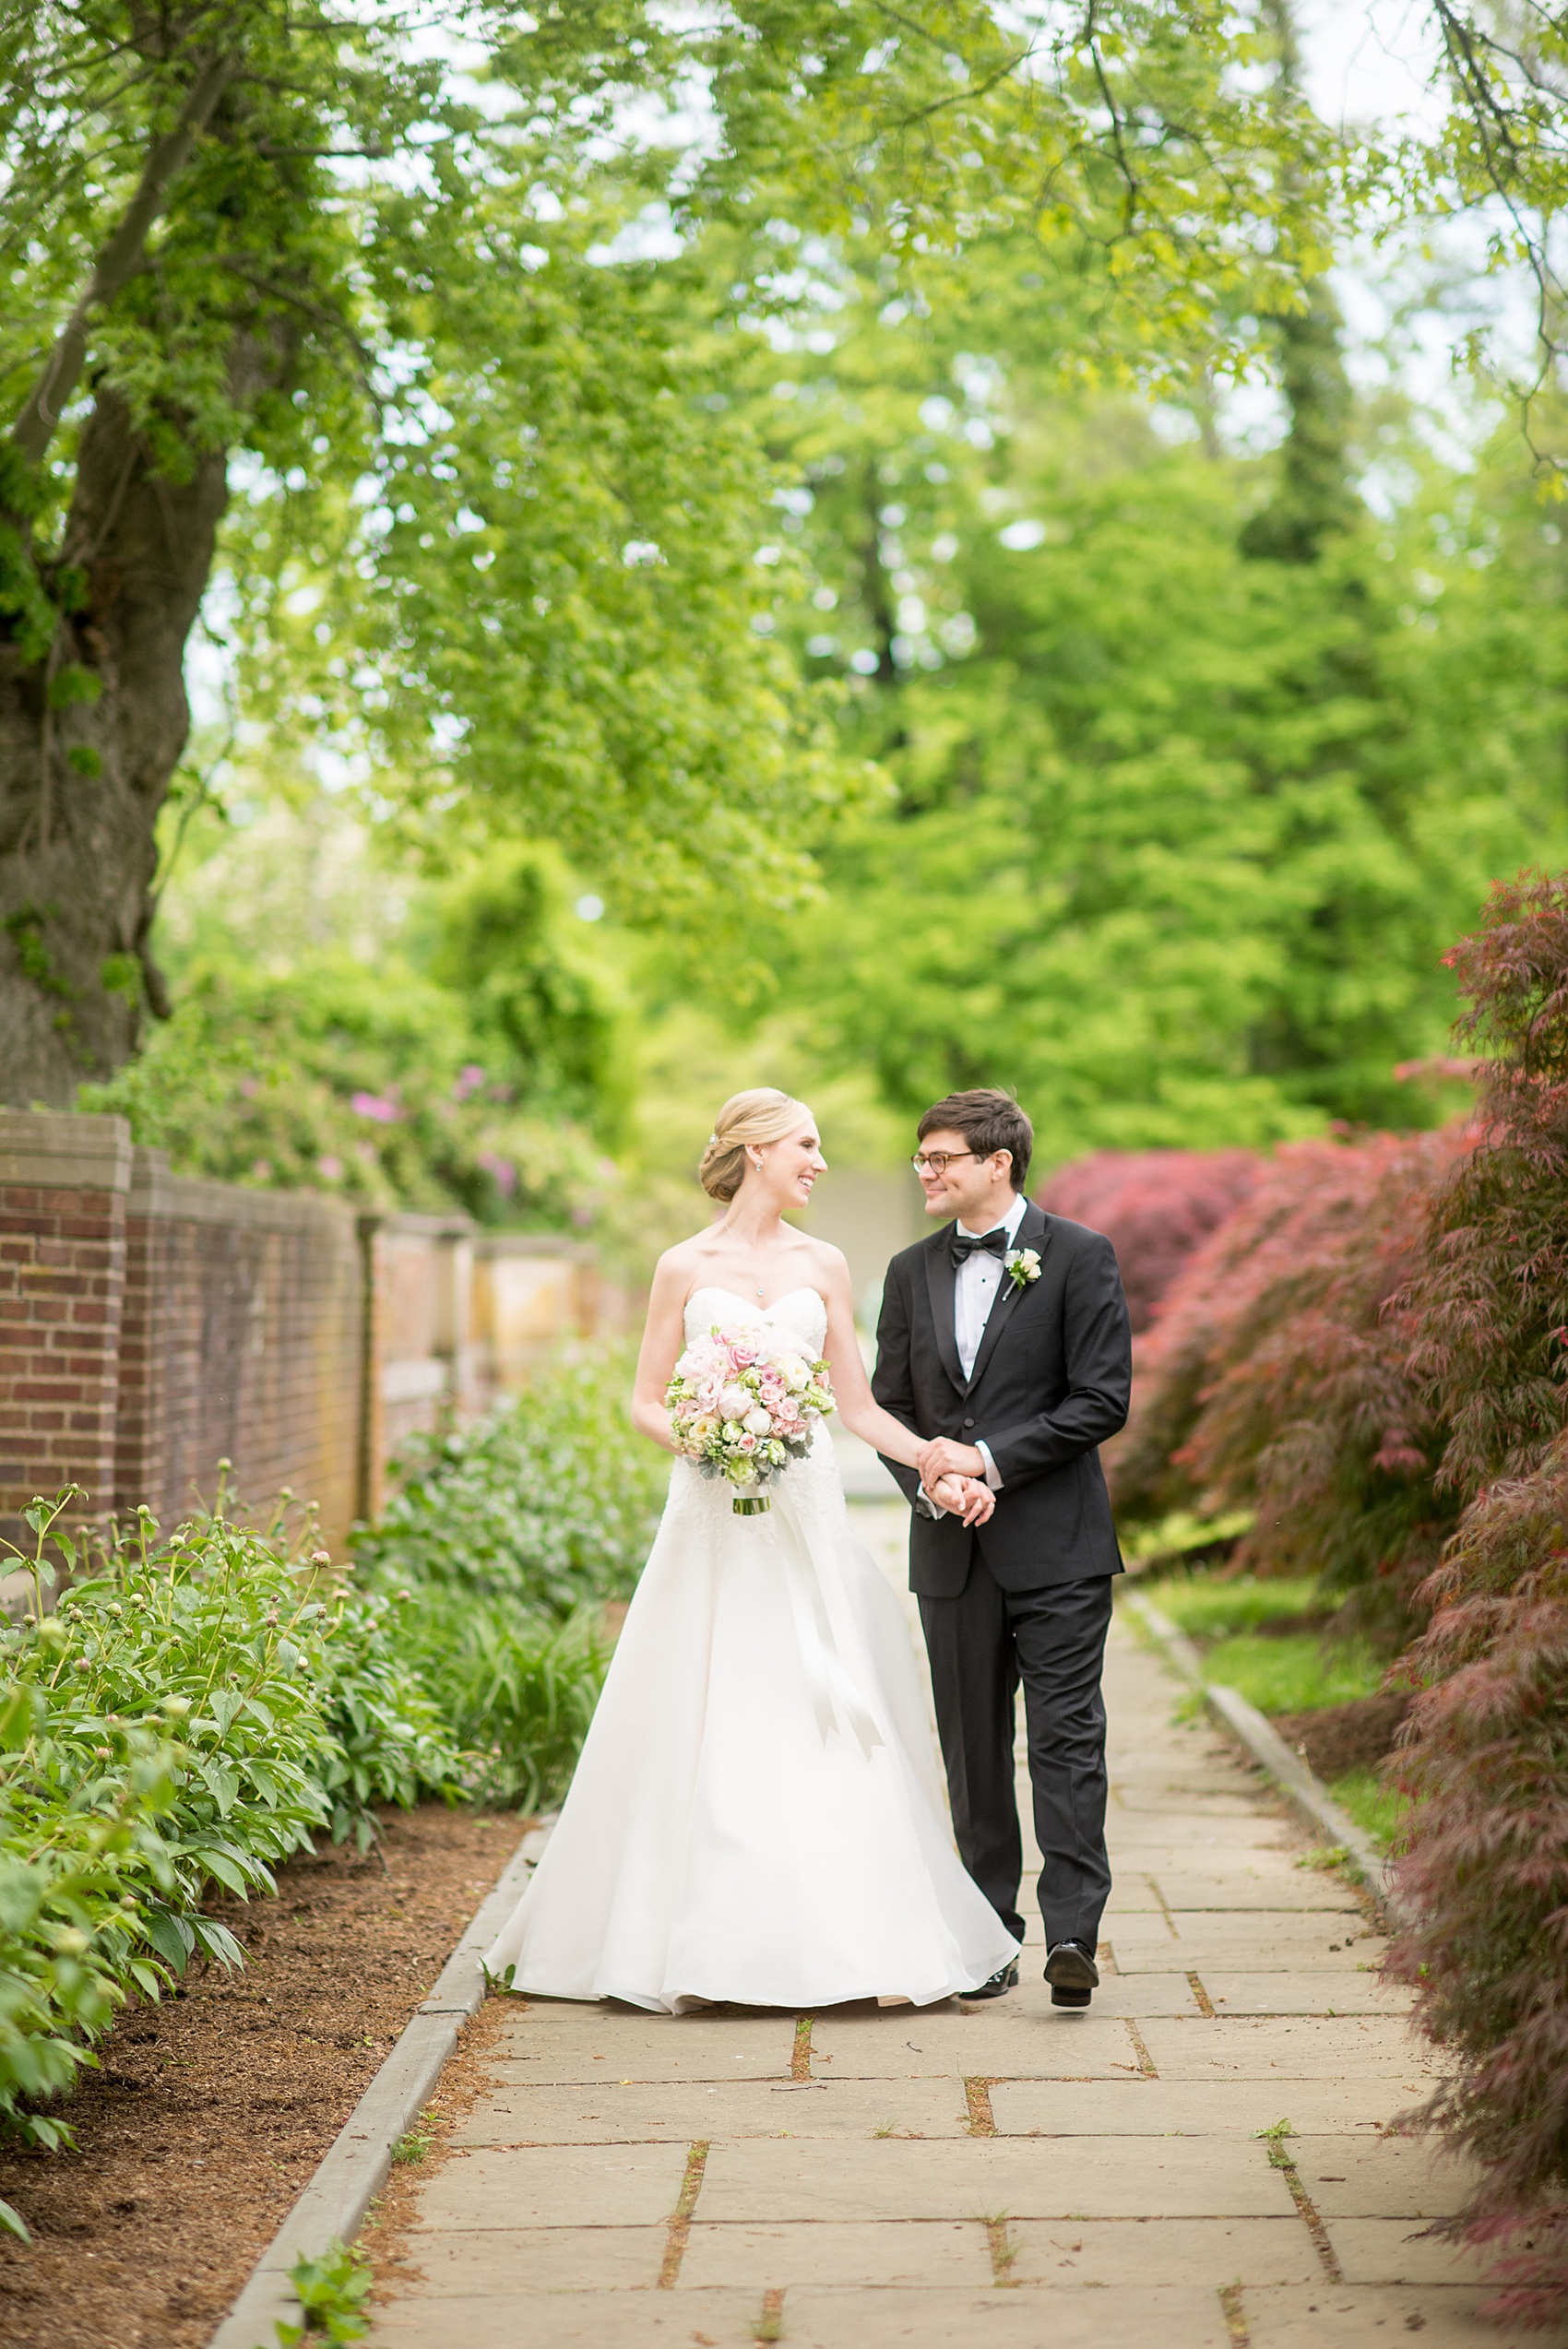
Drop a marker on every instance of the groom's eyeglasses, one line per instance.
(937, 1162)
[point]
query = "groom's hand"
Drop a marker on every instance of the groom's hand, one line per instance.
(943, 1457)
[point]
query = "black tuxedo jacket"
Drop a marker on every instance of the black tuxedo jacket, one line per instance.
(1051, 1383)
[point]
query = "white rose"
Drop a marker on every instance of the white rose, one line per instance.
(793, 1372)
(757, 1421)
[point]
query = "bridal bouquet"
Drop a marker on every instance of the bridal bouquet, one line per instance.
(743, 1403)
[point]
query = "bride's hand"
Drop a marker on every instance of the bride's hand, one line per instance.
(964, 1497)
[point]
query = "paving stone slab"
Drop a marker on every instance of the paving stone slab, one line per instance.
(1179, 1836)
(1236, 2108)
(1283, 1942)
(1154, 2252)
(944, 2253)
(512, 2259)
(1341, 2316)
(1223, 1892)
(583, 2043)
(552, 2185)
(569, 2320)
(1118, 1995)
(760, 2182)
(1007, 2038)
(1400, 2250)
(1067, 2317)
(520, 2114)
(1153, 1801)
(1294, 2047)
(1393, 2177)
(1315, 1993)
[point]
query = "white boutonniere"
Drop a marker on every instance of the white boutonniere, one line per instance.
(1023, 1263)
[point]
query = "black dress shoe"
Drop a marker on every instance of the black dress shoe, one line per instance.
(1073, 1974)
(1005, 1978)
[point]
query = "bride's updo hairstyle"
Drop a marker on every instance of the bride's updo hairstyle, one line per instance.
(762, 1114)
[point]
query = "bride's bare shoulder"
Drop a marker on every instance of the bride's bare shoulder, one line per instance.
(682, 1262)
(829, 1264)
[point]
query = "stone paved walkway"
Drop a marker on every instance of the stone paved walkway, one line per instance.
(1003, 2174)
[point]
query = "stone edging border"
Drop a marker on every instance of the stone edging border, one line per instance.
(1296, 1779)
(355, 2167)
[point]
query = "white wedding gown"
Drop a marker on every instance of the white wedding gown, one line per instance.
(757, 1815)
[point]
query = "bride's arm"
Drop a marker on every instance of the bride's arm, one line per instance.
(864, 1417)
(663, 1339)
(858, 1409)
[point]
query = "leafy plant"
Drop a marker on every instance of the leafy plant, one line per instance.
(551, 1503)
(1155, 1206)
(1277, 1378)
(518, 1689)
(1485, 1869)
(199, 1706)
(332, 2290)
(371, 1082)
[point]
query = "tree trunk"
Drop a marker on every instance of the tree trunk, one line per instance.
(89, 738)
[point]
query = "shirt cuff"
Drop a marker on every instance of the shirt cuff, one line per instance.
(992, 1475)
(926, 1507)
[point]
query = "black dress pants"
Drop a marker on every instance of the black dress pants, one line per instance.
(981, 1645)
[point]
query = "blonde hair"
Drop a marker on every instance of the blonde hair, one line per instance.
(761, 1114)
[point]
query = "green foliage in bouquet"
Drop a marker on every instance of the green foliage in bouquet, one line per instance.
(551, 1503)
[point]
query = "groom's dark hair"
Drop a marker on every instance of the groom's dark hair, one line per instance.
(988, 1121)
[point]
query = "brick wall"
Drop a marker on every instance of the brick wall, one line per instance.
(63, 1200)
(151, 1326)
(242, 1338)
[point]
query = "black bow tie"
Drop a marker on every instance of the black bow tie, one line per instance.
(989, 1243)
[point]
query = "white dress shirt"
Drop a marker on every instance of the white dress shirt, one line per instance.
(974, 1293)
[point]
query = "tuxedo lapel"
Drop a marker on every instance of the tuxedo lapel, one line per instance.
(941, 1276)
(1032, 1232)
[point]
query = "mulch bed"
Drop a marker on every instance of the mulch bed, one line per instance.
(211, 2109)
(1340, 1738)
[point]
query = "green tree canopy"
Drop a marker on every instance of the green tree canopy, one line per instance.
(1198, 767)
(365, 297)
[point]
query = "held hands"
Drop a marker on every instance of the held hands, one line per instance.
(942, 1457)
(963, 1497)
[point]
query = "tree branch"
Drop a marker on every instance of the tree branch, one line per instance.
(119, 259)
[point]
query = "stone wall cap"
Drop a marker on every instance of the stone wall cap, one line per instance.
(417, 1227)
(534, 1243)
(65, 1150)
(196, 1199)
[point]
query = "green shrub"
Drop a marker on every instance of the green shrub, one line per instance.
(552, 1502)
(196, 1710)
(518, 1690)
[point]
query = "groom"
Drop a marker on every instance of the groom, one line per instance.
(1004, 1340)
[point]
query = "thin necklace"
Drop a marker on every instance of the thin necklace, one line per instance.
(759, 1292)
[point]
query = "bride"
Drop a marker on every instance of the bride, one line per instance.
(757, 1815)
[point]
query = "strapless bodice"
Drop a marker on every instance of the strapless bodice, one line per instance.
(800, 1311)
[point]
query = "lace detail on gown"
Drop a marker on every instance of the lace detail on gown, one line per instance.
(757, 1815)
